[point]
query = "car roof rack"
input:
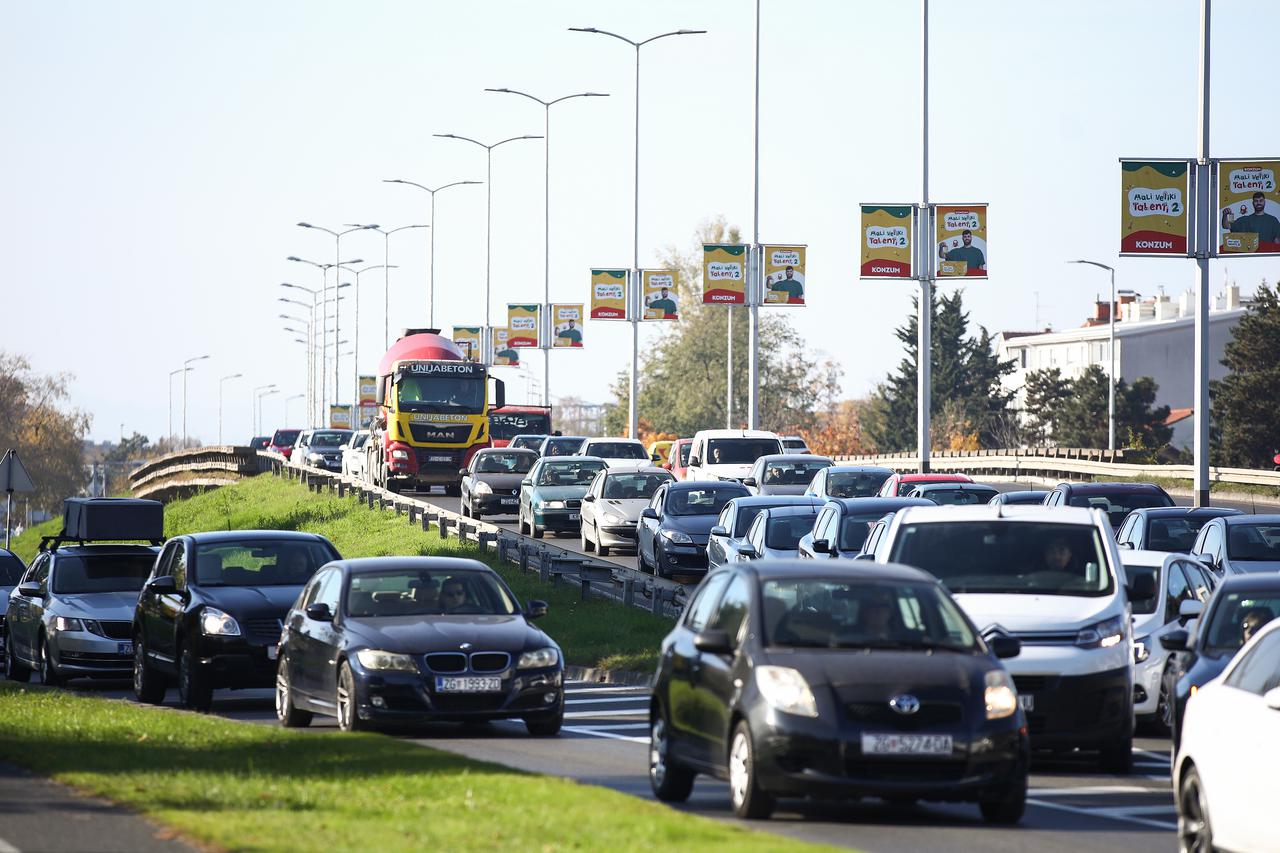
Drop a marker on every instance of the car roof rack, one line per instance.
(53, 543)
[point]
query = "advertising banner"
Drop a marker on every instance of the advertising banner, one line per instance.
(608, 294)
(1153, 207)
(784, 275)
(339, 416)
(960, 233)
(368, 412)
(724, 274)
(468, 339)
(1248, 207)
(566, 326)
(661, 302)
(886, 240)
(525, 323)
(368, 389)
(503, 354)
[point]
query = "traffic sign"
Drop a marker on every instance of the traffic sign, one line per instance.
(13, 476)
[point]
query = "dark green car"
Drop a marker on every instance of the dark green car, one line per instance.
(551, 496)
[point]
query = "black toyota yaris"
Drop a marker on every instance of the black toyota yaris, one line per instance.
(790, 679)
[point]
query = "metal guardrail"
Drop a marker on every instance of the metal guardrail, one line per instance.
(189, 470)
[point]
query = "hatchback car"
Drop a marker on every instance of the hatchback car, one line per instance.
(210, 614)
(954, 494)
(260, 442)
(551, 494)
(1117, 500)
(282, 441)
(320, 448)
(775, 533)
(1167, 528)
(900, 485)
(671, 535)
(842, 526)
(735, 519)
(491, 481)
(792, 679)
(353, 457)
(612, 506)
(848, 481)
(388, 641)
(784, 473)
(1020, 498)
(527, 441)
(1240, 544)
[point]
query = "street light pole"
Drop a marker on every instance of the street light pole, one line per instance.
(924, 341)
(287, 401)
(322, 395)
(337, 262)
(633, 419)
(1205, 247)
(386, 266)
(1111, 374)
(221, 382)
(173, 373)
(431, 260)
(184, 396)
(386, 310)
(755, 289)
(257, 398)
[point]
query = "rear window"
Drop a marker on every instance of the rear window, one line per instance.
(101, 573)
(739, 451)
(784, 532)
(615, 450)
(1250, 542)
(854, 484)
(285, 437)
(261, 562)
(1118, 505)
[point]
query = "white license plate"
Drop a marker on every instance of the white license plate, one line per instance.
(439, 458)
(573, 516)
(124, 649)
(508, 501)
(1027, 703)
(902, 744)
(273, 652)
(468, 684)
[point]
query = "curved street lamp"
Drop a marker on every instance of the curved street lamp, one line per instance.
(431, 248)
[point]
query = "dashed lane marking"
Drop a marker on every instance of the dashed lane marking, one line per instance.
(1120, 814)
(595, 732)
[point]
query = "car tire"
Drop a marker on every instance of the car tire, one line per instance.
(520, 525)
(14, 670)
(1195, 831)
(1162, 719)
(1006, 809)
(535, 531)
(587, 545)
(748, 799)
(641, 565)
(348, 706)
(671, 781)
(148, 685)
(289, 714)
(49, 674)
(453, 490)
(1117, 758)
(602, 550)
(194, 690)
(545, 725)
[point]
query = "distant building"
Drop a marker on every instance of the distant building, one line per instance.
(1154, 337)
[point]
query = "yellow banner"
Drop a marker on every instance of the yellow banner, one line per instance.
(503, 354)
(661, 301)
(566, 326)
(608, 294)
(339, 416)
(368, 389)
(1153, 207)
(960, 233)
(525, 323)
(784, 275)
(724, 274)
(1248, 207)
(886, 241)
(468, 339)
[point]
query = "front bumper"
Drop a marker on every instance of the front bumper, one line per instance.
(1146, 683)
(495, 504)
(1078, 711)
(672, 557)
(328, 463)
(408, 698)
(617, 535)
(558, 519)
(237, 663)
(80, 653)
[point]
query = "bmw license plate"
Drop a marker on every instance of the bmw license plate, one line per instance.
(904, 744)
(125, 649)
(1026, 702)
(573, 516)
(468, 684)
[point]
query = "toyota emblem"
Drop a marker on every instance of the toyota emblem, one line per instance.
(905, 703)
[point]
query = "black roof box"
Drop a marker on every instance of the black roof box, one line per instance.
(87, 519)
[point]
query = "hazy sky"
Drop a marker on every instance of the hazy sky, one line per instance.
(156, 156)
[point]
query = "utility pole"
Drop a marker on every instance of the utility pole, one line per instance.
(925, 259)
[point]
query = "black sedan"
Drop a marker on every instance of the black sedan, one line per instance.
(790, 679)
(396, 641)
(210, 613)
(1240, 606)
(491, 482)
(672, 534)
(1167, 528)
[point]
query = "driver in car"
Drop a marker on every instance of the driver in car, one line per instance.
(1057, 555)
(293, 567)
(453, 595)
(1253, 620)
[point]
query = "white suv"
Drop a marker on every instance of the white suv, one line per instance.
(1053, 579)
(729, 454)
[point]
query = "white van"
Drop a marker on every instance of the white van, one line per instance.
(729, 454)
(1053, 579)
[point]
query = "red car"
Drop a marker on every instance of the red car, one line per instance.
(283, 440)
(678, 457)
(899, 484)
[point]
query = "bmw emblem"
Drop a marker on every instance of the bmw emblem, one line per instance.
(904, 703)
(465, 646)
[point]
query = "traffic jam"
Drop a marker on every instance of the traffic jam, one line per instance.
(849, 632)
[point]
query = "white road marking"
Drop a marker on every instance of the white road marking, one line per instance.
(609, 735)
(616, 726)
(1091, 789)
(582, 715)
(607, 699)
(1106, 813)
(641, 690)
(6, 847)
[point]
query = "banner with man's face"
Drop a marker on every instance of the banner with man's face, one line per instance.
(368, 389)
(1248, 207)
(339, 416)
(368, 411)
(608, 294)
(784, 275)
(886, 240)
(524, 322)
(1153, 207)
(960, 235)
(468, 339)
(658, 290)
(504, 355)
(724, 274)
(566, 326)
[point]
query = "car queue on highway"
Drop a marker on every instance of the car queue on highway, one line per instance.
(864, 633)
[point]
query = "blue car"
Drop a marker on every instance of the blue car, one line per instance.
(551, 496)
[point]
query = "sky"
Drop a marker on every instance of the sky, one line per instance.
(156, 157)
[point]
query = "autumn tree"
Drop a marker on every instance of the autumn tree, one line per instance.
(48, 435)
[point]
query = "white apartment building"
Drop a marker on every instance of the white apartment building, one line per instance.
(1154, 337)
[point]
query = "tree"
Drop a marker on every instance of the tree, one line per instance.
(839, 431)
(1084, 422)
(1245, 427)
(1046, 396)
(48, 436)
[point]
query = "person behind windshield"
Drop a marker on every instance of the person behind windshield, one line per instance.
(292, 567)
(875, 618)
(1253, 620)
(452, 595)
(1057, 555)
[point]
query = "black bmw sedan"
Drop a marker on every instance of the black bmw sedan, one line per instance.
(790, 679)
(395, 641)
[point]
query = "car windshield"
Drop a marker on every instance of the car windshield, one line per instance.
(831, 613)
(1118, 505)
(615, 450)
(1024, 497)
(332, 438)
(507, 425)
(854, 484)
(782, 533)
(1238, 616)
(11, 570)
(1257, 541)
(1143, 606)
(562, 447)
(956, 496)
(358, 440)
(101, 572)
(684, 453)
(285, 437)
(1033, 558)
(528, 442)
(568, 473)
(439, 393)
(259, 562)
(706, 500)
(739, 451)
(418, 592)
(854, 530)
(791, 473)
(505, 463)
(623, 487)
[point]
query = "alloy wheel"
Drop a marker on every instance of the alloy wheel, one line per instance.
(658, 751)
(1194, 832)
(282, 693)
(739, 769)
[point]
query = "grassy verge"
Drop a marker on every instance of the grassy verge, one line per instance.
(242, 786)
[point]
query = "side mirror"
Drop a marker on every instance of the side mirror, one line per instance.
(30, 589)
(719, 530)
(1126, 546)
(1005, 647)
(649, 513)
(821, 546)
(162, 585)
(1141, 587)
(694, 461)
(666, 465)
(655, 459)
(526, 482)
(713, 642)
(319, 612)
(1175, 641)
(536, 609)
(747, 551)
(1188, 610)
(867, 556)
(588, 498)
(462, 472)
(748, 481)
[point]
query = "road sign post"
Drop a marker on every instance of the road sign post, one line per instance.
(13, 478)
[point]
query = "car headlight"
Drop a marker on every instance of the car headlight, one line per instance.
(786, 690)
(399, 454)
(614, 518)
(215, 623)
(377, 659)
(552, 504)
(1103, 635)
(66, 623)
(1001, 698)
(539, 659)
(1141, 649)
(482, 489)
(679, 537)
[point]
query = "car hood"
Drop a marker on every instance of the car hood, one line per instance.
(697, 526)
(559, 493)
(252, 601)
(1146, 623)
(421, 634)
(1031, 613)
(781, 553)
(729, 472)
(96, 605)
(630, 507)
(781, 490)
(854, 673)
(626, 464)
(500, 481)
